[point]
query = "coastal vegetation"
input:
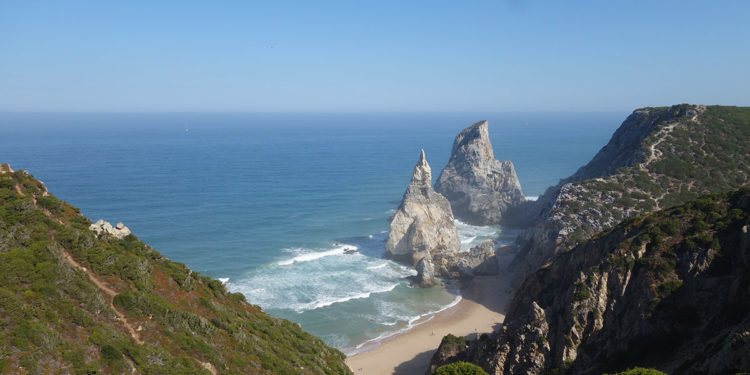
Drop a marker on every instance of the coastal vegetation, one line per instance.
(640, 371)
(690, 150)
(75, 302)
(459, 368)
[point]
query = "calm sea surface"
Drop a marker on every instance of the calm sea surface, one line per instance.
(269, 202)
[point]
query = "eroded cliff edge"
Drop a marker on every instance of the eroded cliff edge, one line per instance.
(657, 158)
(668, 290)
(665, 290)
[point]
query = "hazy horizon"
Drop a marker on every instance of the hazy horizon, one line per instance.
(368, 57)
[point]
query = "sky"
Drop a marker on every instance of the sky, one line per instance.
(371, 56)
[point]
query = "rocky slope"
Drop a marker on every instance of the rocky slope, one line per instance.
(668, 290)
(423, 224)
(74, 302)
(479, 260)
(658, 157)
(479, 187)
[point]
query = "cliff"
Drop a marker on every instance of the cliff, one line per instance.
(72, 301)
(668, 290)
(480, 188)
(423, 223)
(658, 157)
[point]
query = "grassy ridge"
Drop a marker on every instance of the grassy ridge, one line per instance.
(684, 158)
(54, 319)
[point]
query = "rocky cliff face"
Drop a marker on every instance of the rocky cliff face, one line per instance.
(479, 260)
(479, 187)
(669, 290)
(658, 157)
(423, 223)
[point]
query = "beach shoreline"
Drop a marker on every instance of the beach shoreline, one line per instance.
(481, 310)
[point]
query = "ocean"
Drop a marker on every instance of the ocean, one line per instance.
(269, 203)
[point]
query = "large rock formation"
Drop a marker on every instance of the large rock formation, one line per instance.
(670, 290)
(667, 290)
(423, 222)
(479, 187)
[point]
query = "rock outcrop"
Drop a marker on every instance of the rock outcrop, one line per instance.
(104, 227)
(425, 272)
(657, 158)
(480, 188)
(669, 290)
(478, 261)
(423, 223)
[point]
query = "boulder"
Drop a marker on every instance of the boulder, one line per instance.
(479, 261)
(103, 227)
(425, 272)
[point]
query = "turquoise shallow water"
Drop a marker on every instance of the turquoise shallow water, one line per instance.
(270, 202)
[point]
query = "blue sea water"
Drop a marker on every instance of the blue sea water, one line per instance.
(269, 202)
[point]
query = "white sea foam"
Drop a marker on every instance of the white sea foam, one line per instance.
(411, 323)
(471, 235)
(309, 256)
(311, 285)
(224, 280)
(328, 302)
(467, 240)
(378, 266)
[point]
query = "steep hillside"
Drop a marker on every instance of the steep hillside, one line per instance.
(72, 302)
(658, 157)
(668, 290)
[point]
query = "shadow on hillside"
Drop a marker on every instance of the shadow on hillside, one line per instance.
(415, 366)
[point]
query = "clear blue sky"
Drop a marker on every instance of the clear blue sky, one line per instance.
(379, 56)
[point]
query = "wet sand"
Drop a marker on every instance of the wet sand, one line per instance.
(481, 309)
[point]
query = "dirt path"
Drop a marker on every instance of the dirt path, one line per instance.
(109, 292)
(100, 284)
(663, 133)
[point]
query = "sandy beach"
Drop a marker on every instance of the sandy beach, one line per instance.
(483, 307)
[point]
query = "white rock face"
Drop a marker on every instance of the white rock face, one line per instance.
(479, 187)
(425, 272)
(423, 223)
(118, 231)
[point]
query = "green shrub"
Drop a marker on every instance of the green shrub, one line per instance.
(640, 371)
(582, 292)
(667, 288)
(110, 353)
(459, 368)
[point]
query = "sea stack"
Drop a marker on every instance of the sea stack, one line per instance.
(480, 188)
(423, 224)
